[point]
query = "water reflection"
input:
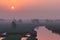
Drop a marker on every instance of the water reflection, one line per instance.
(43, 34)
(1, 38)
(24, 38)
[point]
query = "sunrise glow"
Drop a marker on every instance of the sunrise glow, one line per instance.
(15, 4)
(12, 7)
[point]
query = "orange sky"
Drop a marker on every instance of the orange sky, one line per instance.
(9, 3)
(30, 7)
(16, 3)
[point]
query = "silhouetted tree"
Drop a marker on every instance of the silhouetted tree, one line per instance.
(13, 24)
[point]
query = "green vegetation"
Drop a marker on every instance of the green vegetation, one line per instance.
(13, 37)
(31, 38)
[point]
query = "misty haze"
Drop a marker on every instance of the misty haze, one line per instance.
(30, 19)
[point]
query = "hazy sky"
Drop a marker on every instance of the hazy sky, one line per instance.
(27, 9)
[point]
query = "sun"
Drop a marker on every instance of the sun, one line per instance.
(12, 7)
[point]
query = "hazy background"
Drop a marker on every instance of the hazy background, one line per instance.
(27, 9)
(30, 9)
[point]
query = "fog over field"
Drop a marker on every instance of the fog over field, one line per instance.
(46, 10)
